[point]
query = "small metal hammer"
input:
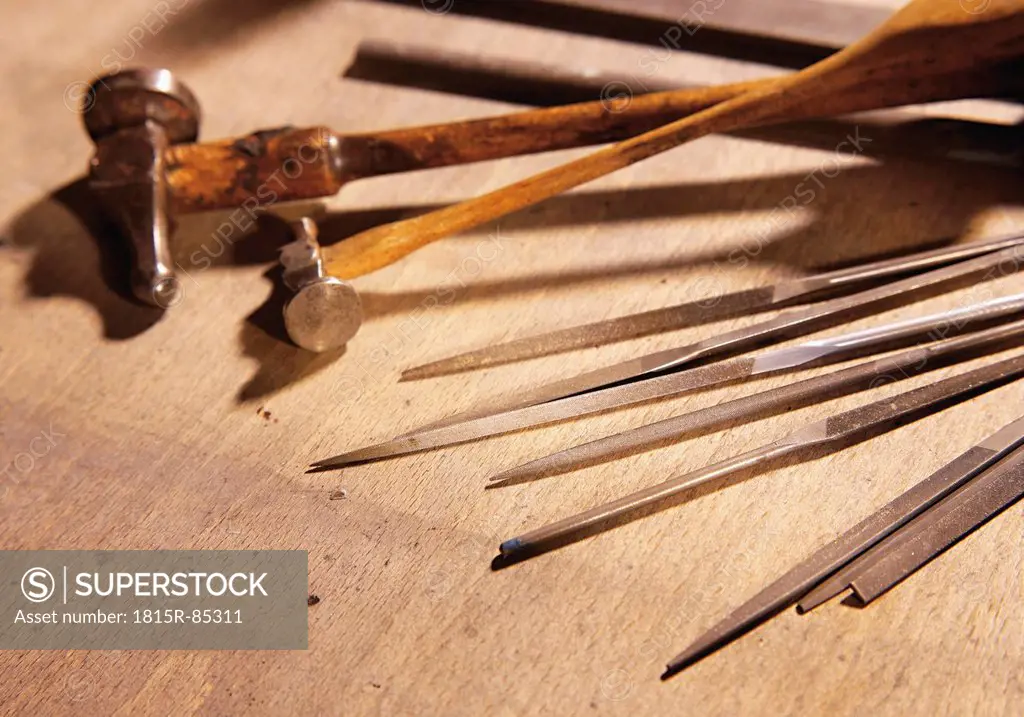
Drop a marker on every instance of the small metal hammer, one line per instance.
(148, 169)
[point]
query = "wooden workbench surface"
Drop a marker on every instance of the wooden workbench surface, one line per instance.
(192, 430)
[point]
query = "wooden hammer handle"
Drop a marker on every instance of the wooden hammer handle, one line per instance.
(288, 164)
(258, 170)
(610, 119)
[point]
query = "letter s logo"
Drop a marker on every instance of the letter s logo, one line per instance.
(37, 584)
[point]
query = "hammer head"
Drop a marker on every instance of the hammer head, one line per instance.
(133, 116)
(325, 311)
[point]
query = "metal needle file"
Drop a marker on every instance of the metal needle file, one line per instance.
(788, 325)
(830, 434)
(779, 360)
(871, 531)
(706, 310)
(863, 574)
(819, 388)
(930, 534)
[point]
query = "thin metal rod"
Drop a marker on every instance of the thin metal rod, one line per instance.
(832, 434)
(704, 310)
(785, 398)
(870, 531)
(787, 325)
(787, 359)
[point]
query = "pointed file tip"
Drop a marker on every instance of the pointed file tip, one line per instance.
(500, 478)
(519, 474)
(340, 458)
(691, 655)
(339, 461)
(321, 467)
(428, 370)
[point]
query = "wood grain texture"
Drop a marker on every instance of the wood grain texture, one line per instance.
(161, 437)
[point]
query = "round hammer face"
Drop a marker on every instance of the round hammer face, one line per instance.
(323, 315)
(131, 97)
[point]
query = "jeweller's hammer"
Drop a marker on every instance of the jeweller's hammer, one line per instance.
(148, 169)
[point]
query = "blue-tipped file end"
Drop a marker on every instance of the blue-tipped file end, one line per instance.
(510, 546)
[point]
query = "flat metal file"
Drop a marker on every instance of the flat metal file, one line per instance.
(914, 537)
(787, 325)
(779, 360)
(849, 380)
(871, 531)
(830, 435)
(706, 310)
(941, 527)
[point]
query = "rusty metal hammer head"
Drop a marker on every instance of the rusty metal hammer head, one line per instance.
(133, 116)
